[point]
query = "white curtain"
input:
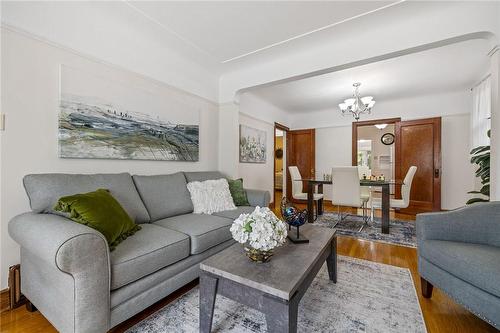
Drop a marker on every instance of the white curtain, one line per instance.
(481, 112)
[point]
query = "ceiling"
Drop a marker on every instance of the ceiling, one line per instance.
(448, 68)
(227, 31)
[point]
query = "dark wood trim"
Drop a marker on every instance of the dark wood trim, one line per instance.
(30, 307)
(16, 298)
(4, 300)
(284, 129)
(280, 127)
(356, 124)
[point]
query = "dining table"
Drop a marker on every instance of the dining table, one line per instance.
(383, 184)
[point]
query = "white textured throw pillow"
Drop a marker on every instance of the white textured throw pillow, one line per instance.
(211, 196)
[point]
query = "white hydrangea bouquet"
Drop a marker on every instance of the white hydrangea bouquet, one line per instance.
(261, 232)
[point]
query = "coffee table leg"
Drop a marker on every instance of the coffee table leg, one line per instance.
(208, 291)
(331, 261)
(281, 316)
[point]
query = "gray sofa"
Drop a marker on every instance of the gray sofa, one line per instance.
(67, 270)
(459, 252)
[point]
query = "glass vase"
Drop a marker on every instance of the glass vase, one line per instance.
(258, 255)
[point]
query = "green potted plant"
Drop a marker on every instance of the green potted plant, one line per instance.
(481, 157)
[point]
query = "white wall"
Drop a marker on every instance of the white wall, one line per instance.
(333, 147)
(112, 31)
(30, 91)
(259, 175)
(256, 113)
(408, 25)
(423, 106)
(457, 173)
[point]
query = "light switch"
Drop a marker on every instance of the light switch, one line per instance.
(2, 121)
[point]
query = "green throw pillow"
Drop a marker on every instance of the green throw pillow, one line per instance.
(237, 192)
(100, 211)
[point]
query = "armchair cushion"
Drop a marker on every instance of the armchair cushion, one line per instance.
(478, 223)
(476, 264)
(148, 251)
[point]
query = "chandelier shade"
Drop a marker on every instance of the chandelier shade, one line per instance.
(357, 105)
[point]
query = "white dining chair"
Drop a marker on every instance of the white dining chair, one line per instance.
(297, 187)
(346, 191)
(404, 202)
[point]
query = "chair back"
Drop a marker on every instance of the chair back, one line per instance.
(346, 190)
(406, 187)
(296, 180)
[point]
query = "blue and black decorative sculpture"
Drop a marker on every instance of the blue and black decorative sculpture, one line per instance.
(294, 218)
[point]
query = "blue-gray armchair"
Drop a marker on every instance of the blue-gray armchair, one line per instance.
(459, 252)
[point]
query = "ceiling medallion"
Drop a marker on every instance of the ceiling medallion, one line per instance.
(357, 105)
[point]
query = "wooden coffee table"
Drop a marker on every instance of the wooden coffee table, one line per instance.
(274, 288)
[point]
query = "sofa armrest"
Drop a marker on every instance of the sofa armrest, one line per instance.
(478, 223)
(74, 249)
(258, 197)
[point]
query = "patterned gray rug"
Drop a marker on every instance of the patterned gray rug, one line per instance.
(400, 232)
(368, 297)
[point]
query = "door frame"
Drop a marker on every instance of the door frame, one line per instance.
(356, 124)
(284, 129)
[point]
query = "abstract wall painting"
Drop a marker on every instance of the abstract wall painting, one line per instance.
(252, 145)
(103, 117)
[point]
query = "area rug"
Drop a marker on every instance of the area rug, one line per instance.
(400, 232)
(368, 297)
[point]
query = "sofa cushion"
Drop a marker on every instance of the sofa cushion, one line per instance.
(164, 195)
(200, 176)
(476, 264)
(205, 231)
(235, 213)
(45, 189)
(149, 250)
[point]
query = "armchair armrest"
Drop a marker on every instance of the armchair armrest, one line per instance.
(258, 197)
(478, 223)
(68, 248)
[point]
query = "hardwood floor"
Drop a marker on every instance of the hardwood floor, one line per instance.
(441, 314)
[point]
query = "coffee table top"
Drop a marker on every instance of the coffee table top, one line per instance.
(283, 274)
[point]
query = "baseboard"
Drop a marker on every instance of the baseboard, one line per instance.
(4, 300)
(16, 299)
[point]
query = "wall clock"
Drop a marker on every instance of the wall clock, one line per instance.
(387, 139)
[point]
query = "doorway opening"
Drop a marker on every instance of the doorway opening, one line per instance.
(280, 163)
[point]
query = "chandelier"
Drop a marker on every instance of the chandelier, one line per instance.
(357, 105)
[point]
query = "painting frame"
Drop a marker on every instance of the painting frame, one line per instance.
(252, 145)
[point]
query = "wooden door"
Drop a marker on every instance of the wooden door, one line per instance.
(418, 142)
(301, 152)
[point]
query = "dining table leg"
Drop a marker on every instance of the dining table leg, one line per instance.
(320, 201)
(310, 206)
(385, 208)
